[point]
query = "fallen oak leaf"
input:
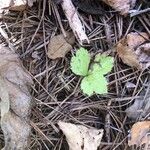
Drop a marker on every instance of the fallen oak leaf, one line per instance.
(59, 46)
(139, 133)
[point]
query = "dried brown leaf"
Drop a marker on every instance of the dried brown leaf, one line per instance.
(59, 46)
(123, 6)
(139, 133)
(126, 54)
(80, 137)
(129, 50)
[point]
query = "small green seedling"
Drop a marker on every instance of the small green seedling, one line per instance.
(93, 80)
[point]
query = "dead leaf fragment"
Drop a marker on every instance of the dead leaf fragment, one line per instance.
(123, 6)
(134, 39)
(80, 137)
(143, 53)
(141, 104)
(59, 46)
(140, 134)
(126, 54)
(17, 5)
(130, 50)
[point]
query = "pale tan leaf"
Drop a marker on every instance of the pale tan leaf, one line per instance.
(59, 46)
(123, 6)
(128, 51)
(80, 137)
(139, 133)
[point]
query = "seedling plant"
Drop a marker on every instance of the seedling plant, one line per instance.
(93, 73)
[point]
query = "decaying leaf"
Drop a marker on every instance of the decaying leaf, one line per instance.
(133, 51)
(80, 137)
(123, 6)
(17, 5)
(14, 81)
(143, 54)
(140, 133)
(60, 46)
(141, 105)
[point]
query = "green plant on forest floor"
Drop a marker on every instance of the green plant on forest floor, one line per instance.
(93, 80)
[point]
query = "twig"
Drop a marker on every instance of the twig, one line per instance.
(138, 12)
(74, 21)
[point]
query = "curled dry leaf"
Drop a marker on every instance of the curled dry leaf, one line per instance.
(133, 51)
(60, 46)
(80, 137)
(16, 97)
(140, 134)
(123, 6)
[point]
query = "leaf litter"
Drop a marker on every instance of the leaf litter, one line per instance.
(53, 101)
(140, 134)
(133, 50)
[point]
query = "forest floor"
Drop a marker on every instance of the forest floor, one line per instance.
(56, 90)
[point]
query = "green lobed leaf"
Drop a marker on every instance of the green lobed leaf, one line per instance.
(80, 62)
(95, 82)
(106, 63)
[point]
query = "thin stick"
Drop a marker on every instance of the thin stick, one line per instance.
(74, 21)
(139, 12)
